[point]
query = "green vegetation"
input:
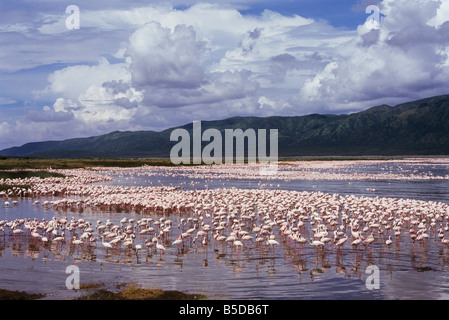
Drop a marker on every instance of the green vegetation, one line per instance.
(135, 292)
(19, 295)
(19, 163)
(121, 291)
(22, 174)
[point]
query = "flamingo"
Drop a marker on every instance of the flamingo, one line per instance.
(221, 238)
(106, 245)
(355, 233)
(247, 237)
(340, 243)
(78, 243)
(388, 242)
(59, 240)
(160, 247)
(92, 239)
(36, 236)
(356, 243)
(272, 242)
(369, 240)
(116, 241)
(233, 211)
(137, 247)
(445, 241)
(325, 240)
(177, 242)
(17, 232)
(44, 240)
(316, 243)
(129, 243)
(237, 243)
(149, 244)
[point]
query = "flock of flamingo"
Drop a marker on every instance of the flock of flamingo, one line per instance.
(312, 170)
(242, 219)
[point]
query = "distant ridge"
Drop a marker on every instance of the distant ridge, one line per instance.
(414, 128)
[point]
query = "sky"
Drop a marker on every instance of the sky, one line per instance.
(151, 65)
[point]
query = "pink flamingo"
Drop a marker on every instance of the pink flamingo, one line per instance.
(78, 243)
(340, 243)
(160, 247)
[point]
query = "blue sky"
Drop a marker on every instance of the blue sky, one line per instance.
(151, 65)
(345, 14)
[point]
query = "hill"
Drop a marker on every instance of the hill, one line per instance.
(414, 128)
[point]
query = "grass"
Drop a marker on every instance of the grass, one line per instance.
(27, 163)
(133, 291)
(43, 164)
(7, 163)
(121, 291)
(22, 174)
(30, 163)
(19, 295)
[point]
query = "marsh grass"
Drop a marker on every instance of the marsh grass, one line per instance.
(21, 163)
(35, 163)
(133, 291)
(19, 295)
(22, 174)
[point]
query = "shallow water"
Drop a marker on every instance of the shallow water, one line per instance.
(406, 270)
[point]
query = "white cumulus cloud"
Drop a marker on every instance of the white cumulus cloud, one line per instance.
(405, 58)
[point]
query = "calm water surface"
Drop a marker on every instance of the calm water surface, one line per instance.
(406, 270)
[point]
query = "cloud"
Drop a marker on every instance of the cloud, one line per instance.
(23, 131)
(163, 58)
(166, 65)
(96, 94)
(4, 100)
(71, 82)
(404, 59)
(280, 64)
(216, 87)
(65, 105)
(49, 115)
(249, 40)
(126, 103)
(155, 66)
(207, 61)
(441, 15)
(117, 86)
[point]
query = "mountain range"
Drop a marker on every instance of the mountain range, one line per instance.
(413, 128)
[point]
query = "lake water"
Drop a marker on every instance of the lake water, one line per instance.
(406, 270)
